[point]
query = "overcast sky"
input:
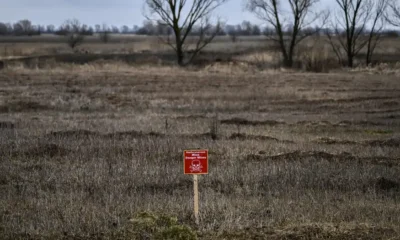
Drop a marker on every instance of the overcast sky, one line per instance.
(111, 12)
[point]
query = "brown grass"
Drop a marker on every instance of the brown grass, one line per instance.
(248, 54)
(297, 155)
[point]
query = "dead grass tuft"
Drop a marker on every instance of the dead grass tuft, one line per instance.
(344, 157)
(134, 134)
(242, 137)
(74, 133)
(393, 142)
(325, 140)
(299, 155)
(43, 150)
(381, 68)
(7, 125)
(384, 184)
(22, 106)
(242, 121)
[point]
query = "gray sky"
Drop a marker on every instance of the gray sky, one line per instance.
(112, 12)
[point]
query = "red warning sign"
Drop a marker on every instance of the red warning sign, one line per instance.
(195, 161)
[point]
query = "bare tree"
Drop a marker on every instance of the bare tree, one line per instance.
(378, 21)
(3, 29)
(104, 33)
(97, 28)
(74, 32)
(359, 24)
(23, 27)
(394, 15)
(299, 18)
(114, 29)
(349, 28)
(232, 33)
(183, 17)
(125, 29)
(50, 28)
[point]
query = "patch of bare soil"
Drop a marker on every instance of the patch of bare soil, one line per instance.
(242, 121)
(390, 104)
(246, 122)
(242, 136)
(343, 100)
(385, 161)
(299, 155)
(23, 106)
(393, 142)
(342, 157)
(7, 125)
(334, 141)
(157, 188)
(74, 133)
(384, 184)
(315, 231)
(127, 134)
(340, 124)
(199, 136)
(45, 150)
(134, 134)
(310, 123)
(359, 123)
(382, 111)
(191, 117)
(111, 152)
(391, 116)
(86, 133)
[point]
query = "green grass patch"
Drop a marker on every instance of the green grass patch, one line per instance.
(150, 226)
(379, 131)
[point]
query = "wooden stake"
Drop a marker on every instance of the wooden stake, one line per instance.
(196, 198)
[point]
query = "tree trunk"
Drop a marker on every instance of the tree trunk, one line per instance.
(179, 44)
(288, 62)
(350, 60)
(179, 54)
(179, 50)
(370, 51)
(349, 52)
(369, 55)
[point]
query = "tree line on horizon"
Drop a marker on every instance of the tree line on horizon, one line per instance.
(26, 28)
(352, 26)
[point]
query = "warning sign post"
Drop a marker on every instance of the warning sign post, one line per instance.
(195, 162)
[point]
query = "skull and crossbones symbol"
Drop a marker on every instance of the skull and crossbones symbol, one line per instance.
(196, 166)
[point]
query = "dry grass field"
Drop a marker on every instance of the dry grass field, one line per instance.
(92, 143)
(50, 44)
(257, 52)
(293, 155)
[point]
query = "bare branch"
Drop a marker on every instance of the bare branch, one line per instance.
(351, 27)
(300, 20)
(206, 36)
(393, 16)
(74, 32)
(182, 18)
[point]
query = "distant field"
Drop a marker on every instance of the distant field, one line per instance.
(297, 155)
(119, 44)
(254, 50)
